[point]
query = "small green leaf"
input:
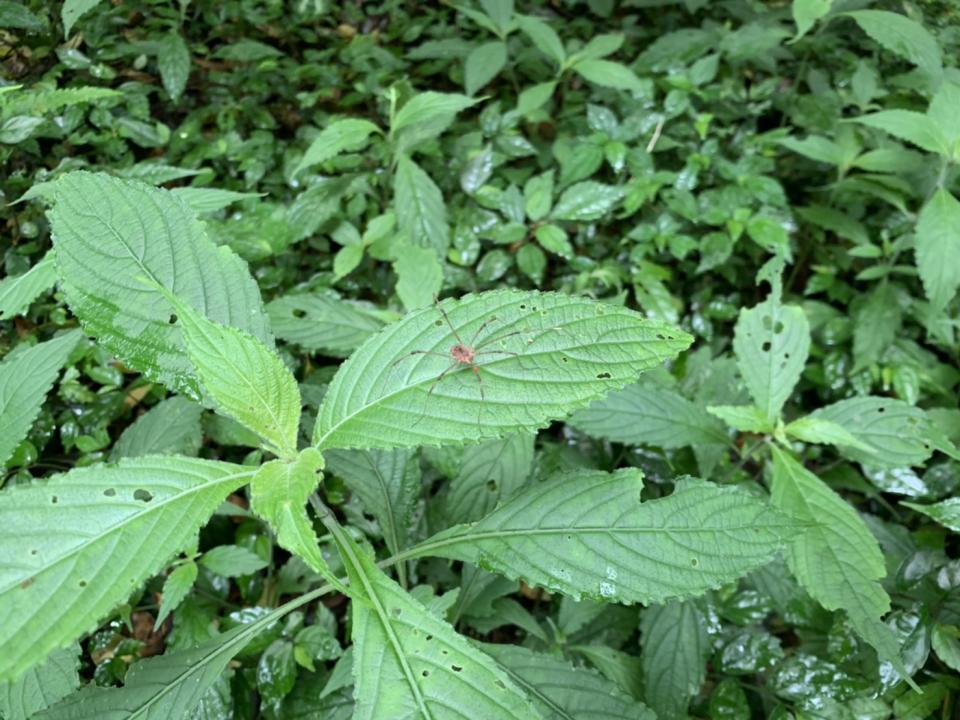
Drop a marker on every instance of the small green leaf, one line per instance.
(543, 36)
(588, 534)
(346, 260)
(548, 355)
(426, 116)
(421, 212)
(173, 59)
(938, 247)
(339, 136)
(232, 561)
(817, 430)
(483, 64)
(171, 427)
(207, 200)
(116, 527)
(25, 378)
(175, 589)
(554, 239)
(586, 201)
(18, 292)
(817, 148)
(538, 196)
(407, 661)
(72, 10)
(244, 378)
(807, 12)
(279, 493)
(535, 97)
(743, 418)
(608, 74)
(903, 36)
(945, 640)
(945, 512)
(276, 673)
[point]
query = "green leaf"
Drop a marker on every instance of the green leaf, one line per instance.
(535, 97)
(279, 494)
(26, 376)
(41, 686)
(232, 561)
(835, 558)
(339, 136)
(245, 379)
(500, 11)
(938, 247)
(426, 116)
(549, 355)
(895, 432)
(489, 474)
(675, 648)
(817, 430)
(586, 201)
(276, 673)
(743, 418)
(207, 200)
(945, 640)
(946, 512)
(173, 59)
(175, 589)
(903, 36)
(421, 212)
(538, 196)
(911, 126)
(646, 415)
(387, 483)
(543, 36)
(817, 148)
(561, 691)
(599, 46)
(483, 64)
(17, 293)
(324, 323)
(72, 10)
(419, 275)
(943, 112)
(608, 74)
(877, 323)
(116, 527)
(171, 427)
(771, 342)
(588, 534)
(410, 663)
(807, 12)
(108, 233)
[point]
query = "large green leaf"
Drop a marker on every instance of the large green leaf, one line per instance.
(546, 355)
(903, 36)
(771, 342)
(25, 378)
(410, 663)
(646, 415)
(561, 691)
(321, 323)
(489, 473)
(108, 234)
(835, 558)
(911, 126)
(588, 534)
(938, 247)
(674, 652)
(115, 526)
(421, 212)
(41, 686)
(245, 379)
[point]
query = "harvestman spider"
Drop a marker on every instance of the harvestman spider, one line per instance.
(463, 354)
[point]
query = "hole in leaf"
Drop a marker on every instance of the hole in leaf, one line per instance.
(426, 673)
(438, 323)
(82, 583)
(428, 638)
(456, 668)
(142, 495)
(499, 684)
(173, 319)
(54, 499)
(881, 409)
(694, 562)
(396, 612)
(109, 492)
(492, 485)
(660, 336)
(34, 551)
(603, 376)
(766, 346)
(298, 313)
(523, 307)
(564, 358)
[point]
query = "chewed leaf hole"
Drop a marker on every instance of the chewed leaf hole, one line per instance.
(492, 485)
(603, 376)
(109, 492)
(54, 499)
(173, 319)
(765, 346)
(298, 313)
(82, 583)
(456, 668)
(142, 495)
(426, 673)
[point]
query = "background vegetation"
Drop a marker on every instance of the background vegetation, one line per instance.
(363, 158)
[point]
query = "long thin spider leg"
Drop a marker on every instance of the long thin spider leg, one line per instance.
(492, 318)
(419, 352)
(496, 352)
(433, 386)
(483, 398)
(498, 338)
(447, 318)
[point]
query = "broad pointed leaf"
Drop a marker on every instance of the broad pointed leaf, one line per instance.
(25, 378)
(41, 686)
(540, 356)
(410, 663)
(938, 247)
(421, 212)
(107, 234)
(17, 293)
(674, 650)
(339, 136)
(172, 427)
(589, 535)
(115, 527)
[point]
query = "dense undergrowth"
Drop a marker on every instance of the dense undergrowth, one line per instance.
(208, 511)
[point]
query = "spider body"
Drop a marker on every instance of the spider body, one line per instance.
(463, 354)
